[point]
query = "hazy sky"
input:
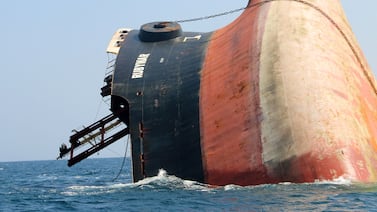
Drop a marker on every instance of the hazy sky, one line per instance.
(53, 61)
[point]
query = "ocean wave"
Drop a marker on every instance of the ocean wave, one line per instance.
(160, 181)
(163, 180)
(1, 169)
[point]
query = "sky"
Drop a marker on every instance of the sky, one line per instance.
(53, 61)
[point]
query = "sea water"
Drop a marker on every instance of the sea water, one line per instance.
(106, 185)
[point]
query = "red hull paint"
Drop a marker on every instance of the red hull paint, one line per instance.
(287, 96)
(229, 102)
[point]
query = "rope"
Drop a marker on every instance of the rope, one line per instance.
(343, 34)
(124, 159)
(211, 16)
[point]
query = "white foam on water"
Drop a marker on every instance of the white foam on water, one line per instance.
(84, 188)
(77, 190)
(337, 181)
(93, 190)
(163, 179)
(286, 183)
(342, 180)
(119, 185)
(104, 187)
(232, 187)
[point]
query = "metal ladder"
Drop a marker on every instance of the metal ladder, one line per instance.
(93, 139)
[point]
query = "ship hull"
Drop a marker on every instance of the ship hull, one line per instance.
(282, 94)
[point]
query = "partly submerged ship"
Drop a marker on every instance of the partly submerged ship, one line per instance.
(281, 94)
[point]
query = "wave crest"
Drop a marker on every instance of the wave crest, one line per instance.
(164, 180)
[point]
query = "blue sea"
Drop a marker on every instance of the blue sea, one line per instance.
(106, 185)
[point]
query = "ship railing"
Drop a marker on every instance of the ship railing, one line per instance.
(108, 79)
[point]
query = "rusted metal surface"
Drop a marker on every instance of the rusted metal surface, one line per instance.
(287, 100)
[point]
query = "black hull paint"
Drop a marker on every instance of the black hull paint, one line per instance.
(163, 101)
